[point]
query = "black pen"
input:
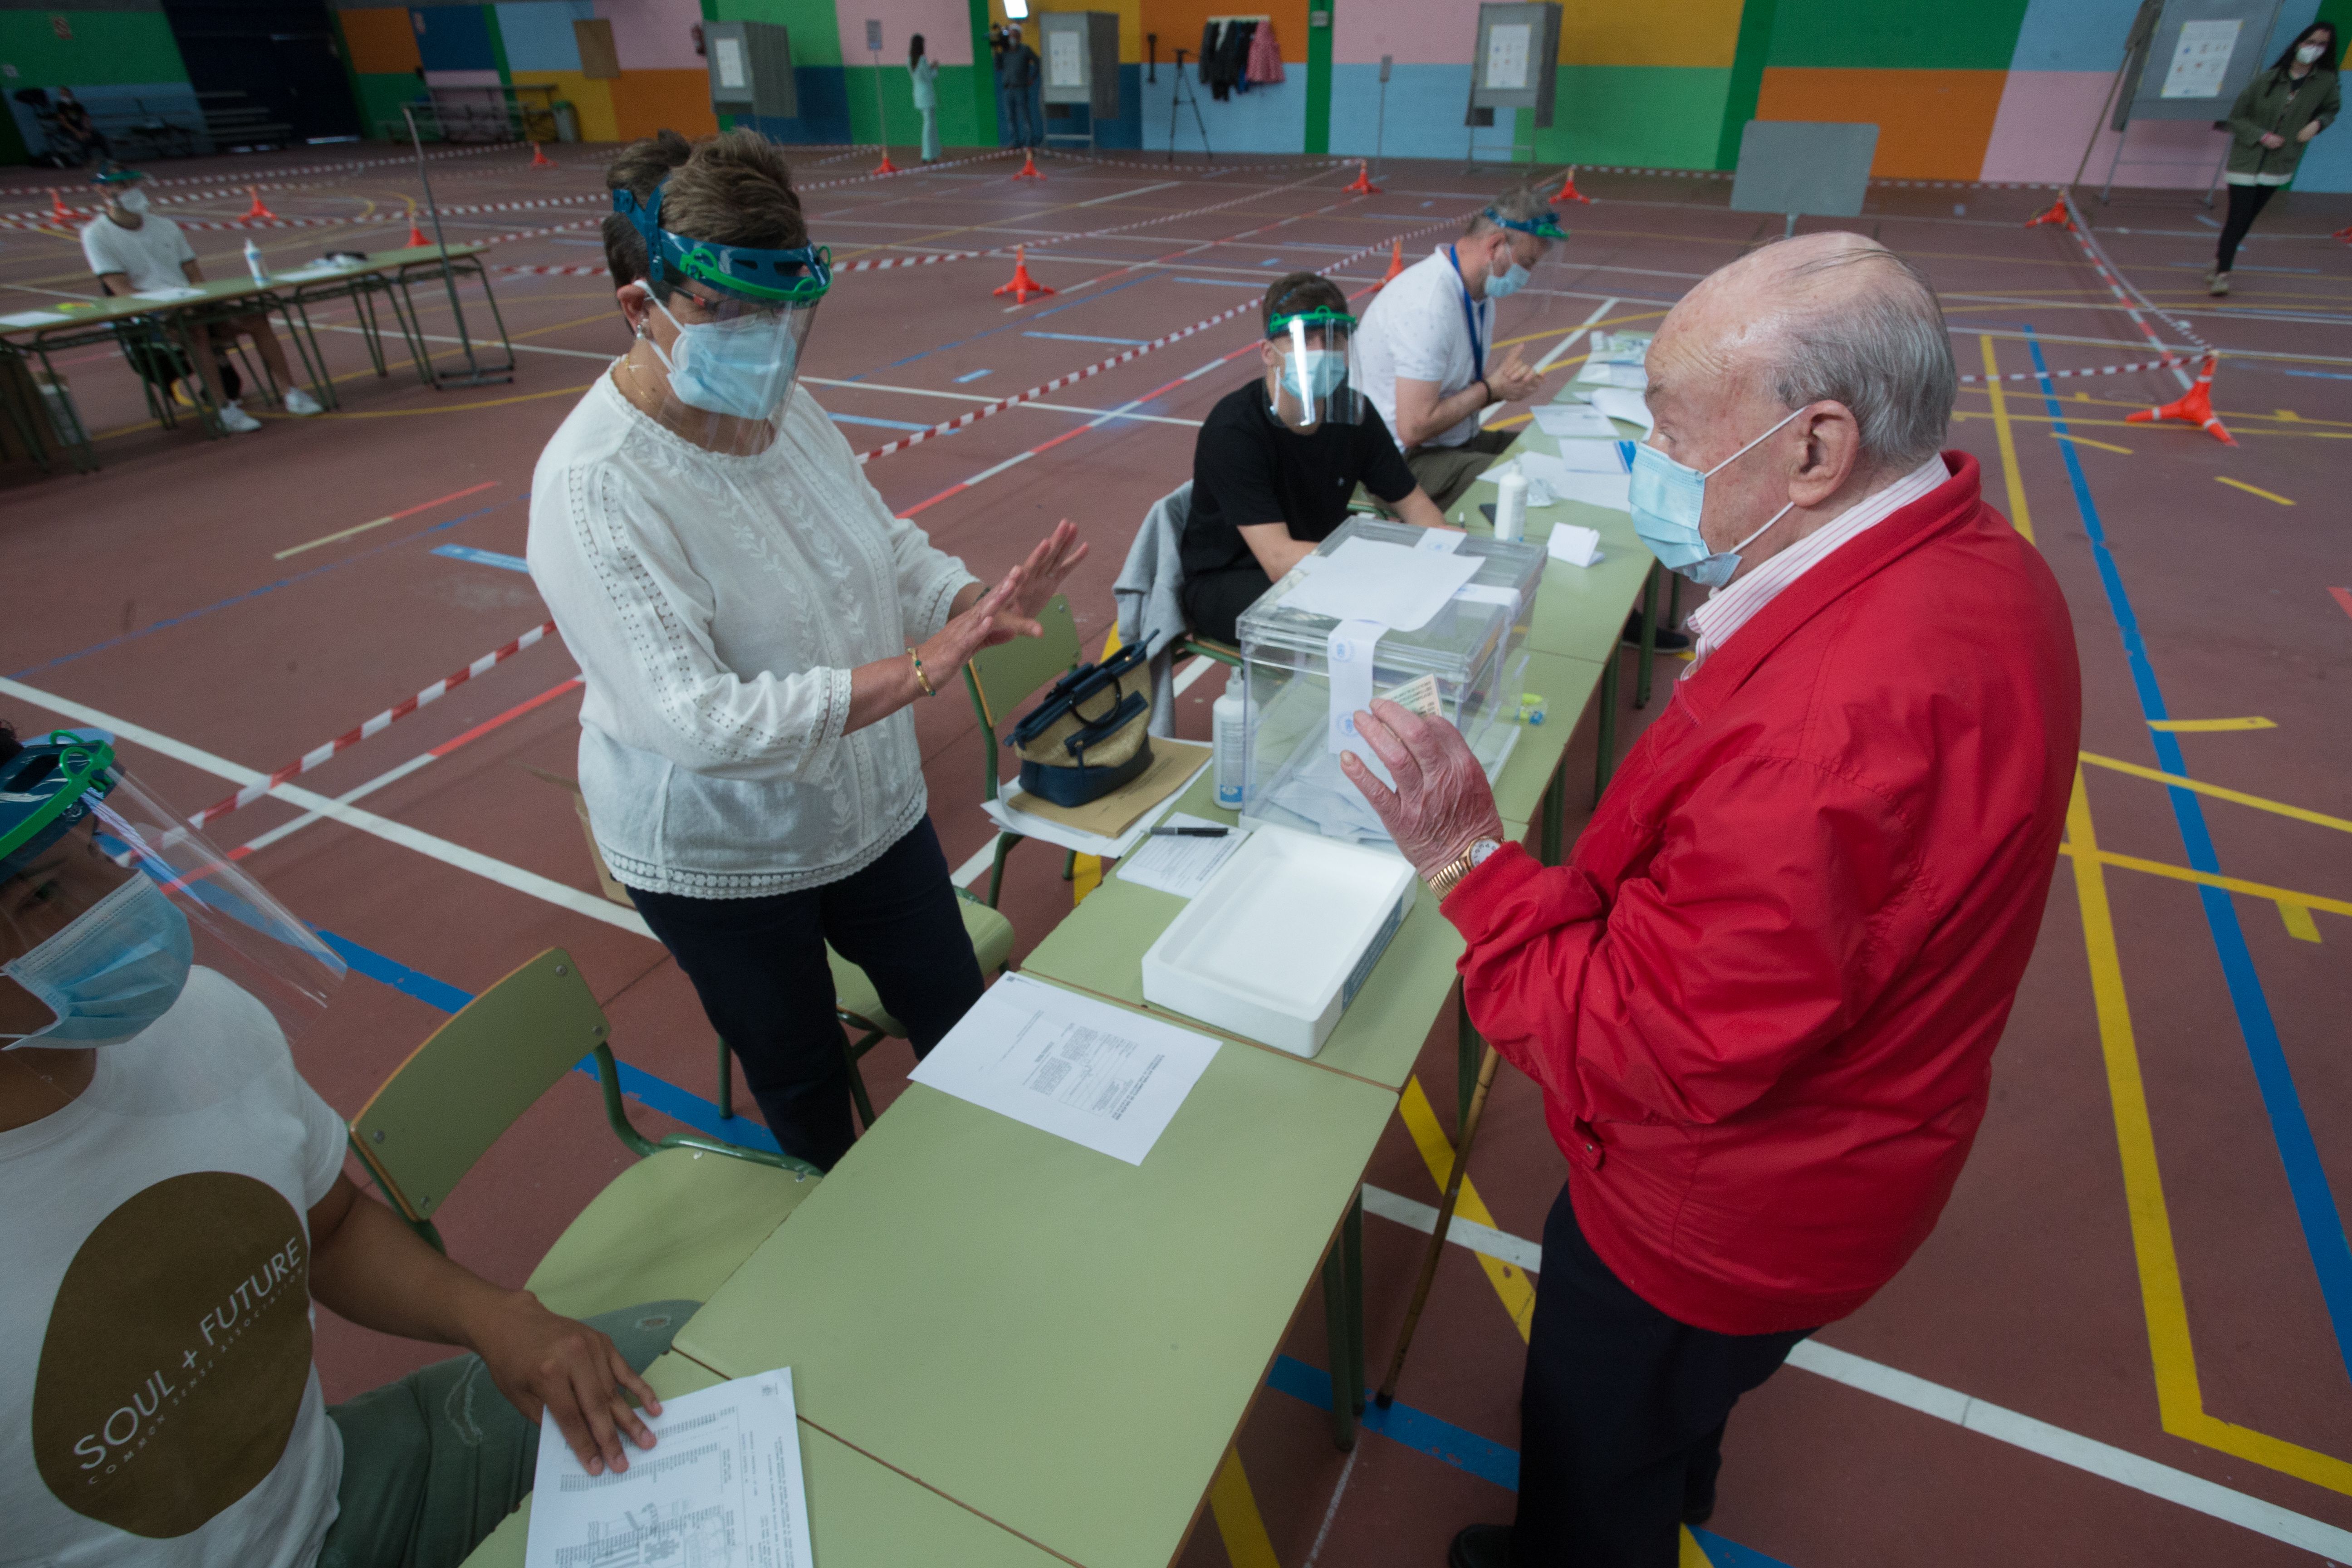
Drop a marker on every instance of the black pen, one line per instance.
(1189, 832)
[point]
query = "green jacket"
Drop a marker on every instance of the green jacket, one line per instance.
(2277, 102)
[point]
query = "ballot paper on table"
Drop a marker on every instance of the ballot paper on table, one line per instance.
(1619, 403)
(1181, 866)
(33, 319)
(1611, 490)
(1069, 1065)
(721, 1484)
(1577, 546)
(1369, 580)
(1602, 374)
(1574, 421)
(1575, 458)
(169, 294)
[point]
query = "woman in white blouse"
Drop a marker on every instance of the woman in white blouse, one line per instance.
(752, 626)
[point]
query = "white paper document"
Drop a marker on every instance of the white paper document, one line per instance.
(1574, 421)
(2201, 61)
(169, 293)
(1618, 403)
(1180, 866)
(1507, 56)
(1602, 372)
(33, 318)
(1611, 490)
(1064, 67)
(1065, 1064)
(1369, 580)
(1577, 546)
(1576, 459)
(721, 1485)
(1006, 812)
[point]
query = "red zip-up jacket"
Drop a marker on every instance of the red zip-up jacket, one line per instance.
(1763, 994)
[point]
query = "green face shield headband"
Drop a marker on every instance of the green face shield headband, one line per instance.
(1545, 225)
(795, 277)
(1323, 318)
(48, 787)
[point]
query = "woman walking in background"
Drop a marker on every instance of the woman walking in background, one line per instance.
(926, 72)
(2280, 110)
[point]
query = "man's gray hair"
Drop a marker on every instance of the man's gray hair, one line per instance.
(1524, 205)
(1875, 340)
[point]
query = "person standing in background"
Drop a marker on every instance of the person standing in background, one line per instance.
(926, 72)
(1016, 76)
(2277, 114)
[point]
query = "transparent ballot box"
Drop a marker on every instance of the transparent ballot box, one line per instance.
(1484, 591)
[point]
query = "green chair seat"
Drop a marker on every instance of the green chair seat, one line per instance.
(853, 994)
(672, 1226)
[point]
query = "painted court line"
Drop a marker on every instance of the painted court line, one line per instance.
(972, 375)
(2249, 490)
(378, 522)
(482, 557)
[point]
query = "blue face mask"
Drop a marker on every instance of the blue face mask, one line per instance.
(742, 368)
(114, 969)
(1667, 499)
(1498, 285)
(1314, 373)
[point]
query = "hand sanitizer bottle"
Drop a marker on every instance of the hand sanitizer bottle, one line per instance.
(254, 264)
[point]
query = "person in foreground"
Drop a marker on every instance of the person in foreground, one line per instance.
(1762, 997)
(178, 1205)
(1276, 460)
(754, 628)
(133, 249)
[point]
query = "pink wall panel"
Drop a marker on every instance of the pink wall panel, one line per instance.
(1416, 34)
(945, 26)
(2046, 116)
(654, 35)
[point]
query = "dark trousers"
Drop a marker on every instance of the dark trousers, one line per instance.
(759, 968)
(1020, 116)
(2246, 204)
(1622, 1413)
(1214, 601)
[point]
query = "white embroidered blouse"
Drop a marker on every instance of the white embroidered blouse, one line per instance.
(716, 606)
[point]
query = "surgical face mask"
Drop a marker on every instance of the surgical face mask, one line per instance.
(2309, 53)
(133, 201)
(1313, 373)
(116, 969)
(1667, 499)
(743, 368)
(1500, 284)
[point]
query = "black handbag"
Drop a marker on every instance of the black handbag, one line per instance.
(1088, 736)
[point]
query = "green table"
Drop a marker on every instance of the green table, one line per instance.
(1061, 1342)
(862, 1515)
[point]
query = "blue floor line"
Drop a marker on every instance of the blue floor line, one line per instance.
(868, 420)
(234, 599)
(1465, 1451)
(647, 1088)
(2315, 1204)
(482, 557)
(2320, 375)
(972, 375)
(1084, 338)
(1220, 282)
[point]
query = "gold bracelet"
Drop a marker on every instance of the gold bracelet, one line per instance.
(920, 678)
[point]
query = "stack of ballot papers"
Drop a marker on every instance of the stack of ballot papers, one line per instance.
(1598, 373)
(1592, 472)
(722, 1483)
(1574, 421)
(1620, 404)
(1181, 864)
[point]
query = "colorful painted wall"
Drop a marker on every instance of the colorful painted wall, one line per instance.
(394, 52)
(120, 62)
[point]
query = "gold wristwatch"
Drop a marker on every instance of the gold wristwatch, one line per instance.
(1450, 875)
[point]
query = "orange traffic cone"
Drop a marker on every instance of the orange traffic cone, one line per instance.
(886, 166)
(1022, 285)
(2057, 215)
(539, 159)
(1568, 191)
(258, 211)
(2343, 233)
(58, 208)
(1363, 185)
(416, 240)
(2194, 406)
(1029, 170)
(1396, 265)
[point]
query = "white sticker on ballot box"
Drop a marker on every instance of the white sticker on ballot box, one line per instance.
(1352, 646)
(1441, 540)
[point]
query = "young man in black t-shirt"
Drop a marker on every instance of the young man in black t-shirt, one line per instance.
(1277, 460)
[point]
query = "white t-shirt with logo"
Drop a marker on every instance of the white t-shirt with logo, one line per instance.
(1417, 327)
(158, 1404)
(148, 255)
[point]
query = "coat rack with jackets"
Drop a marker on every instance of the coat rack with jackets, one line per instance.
(1238, 53)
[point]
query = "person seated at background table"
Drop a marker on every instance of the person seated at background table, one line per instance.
(74, 125)
(1425, 353)
(1761, 999)
(136, 250)
(1278, 458)
(177, 1205)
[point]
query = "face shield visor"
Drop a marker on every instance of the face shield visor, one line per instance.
(1315, 379)
(742, 316)
(109, 899)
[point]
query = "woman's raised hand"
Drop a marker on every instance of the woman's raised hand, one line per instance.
(1041, 577)
(982, 625)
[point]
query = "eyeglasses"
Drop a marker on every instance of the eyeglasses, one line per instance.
(729, 309)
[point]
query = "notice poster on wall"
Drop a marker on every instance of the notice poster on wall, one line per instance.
(1507, 56)
(727, 59)
(1065, 64)
(2201, 61)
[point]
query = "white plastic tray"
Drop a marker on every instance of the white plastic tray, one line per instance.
(1280, 940)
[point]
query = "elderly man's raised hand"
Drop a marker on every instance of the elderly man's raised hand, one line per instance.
(1511, 381)
(1442, 803)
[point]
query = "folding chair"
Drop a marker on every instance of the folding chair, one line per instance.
(672, 1226)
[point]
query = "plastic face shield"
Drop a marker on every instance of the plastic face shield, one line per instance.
(76, 837)
(1315, 383)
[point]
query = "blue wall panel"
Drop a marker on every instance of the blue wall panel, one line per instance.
(538, 36)
(454, 38)
(1263, 120)
(1425, 105)
(824, 110)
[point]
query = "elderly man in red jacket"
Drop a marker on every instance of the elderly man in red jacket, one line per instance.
(1763, 996)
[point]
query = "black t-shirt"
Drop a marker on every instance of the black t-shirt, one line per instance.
(1248, 467)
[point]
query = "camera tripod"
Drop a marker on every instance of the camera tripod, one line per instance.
(1183, 95)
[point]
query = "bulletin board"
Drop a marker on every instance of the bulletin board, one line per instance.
(2198, 57)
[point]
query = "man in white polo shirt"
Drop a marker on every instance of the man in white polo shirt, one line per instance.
(135, 251)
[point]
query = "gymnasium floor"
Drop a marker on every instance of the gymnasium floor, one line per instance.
(2171, 1103)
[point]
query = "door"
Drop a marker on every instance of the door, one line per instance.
(280, 54)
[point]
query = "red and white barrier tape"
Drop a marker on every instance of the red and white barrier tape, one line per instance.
(352, 166)
(2168, 361)
(350, 738)
(2129, 297)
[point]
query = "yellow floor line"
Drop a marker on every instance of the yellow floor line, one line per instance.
(2209, 726)
(2086, 441)
(1693, 1555)
(2219, 793)
(2280, 895)
(2180, 1403)
(2299, 924)
(2020, 518)
(1234, 1508)
(1517, 1290)
(2250, 490)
